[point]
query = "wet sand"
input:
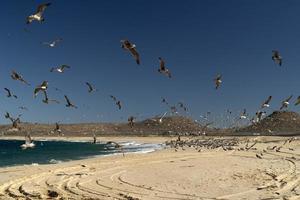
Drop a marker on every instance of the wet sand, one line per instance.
(165, 174)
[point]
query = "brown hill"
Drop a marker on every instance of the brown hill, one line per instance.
(169, 126)
(277, 123)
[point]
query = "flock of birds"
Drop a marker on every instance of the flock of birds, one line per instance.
(131, 48)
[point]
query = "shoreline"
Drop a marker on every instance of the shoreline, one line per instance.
(165, 174)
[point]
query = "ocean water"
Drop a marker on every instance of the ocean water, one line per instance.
(51, 152)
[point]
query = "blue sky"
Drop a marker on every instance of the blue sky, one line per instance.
(197, 39)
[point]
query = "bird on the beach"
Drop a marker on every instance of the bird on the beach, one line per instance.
(266, 103)
(91, 88)
(38, 16)
(42, 87)
(69, 104)
(60, 69)
(218, 81)
(243, 114)
(28, 142)
(15, 76)
(131, 121)
(132, 49)
(53, 43)
(258, 156)
(297, 101)
(276, 57)
(9, 93)
(46, 100)
(162, 68)
(285, 103)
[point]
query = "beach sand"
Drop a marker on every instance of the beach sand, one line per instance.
(164, 174)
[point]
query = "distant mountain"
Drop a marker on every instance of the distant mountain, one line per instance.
(277, 123)
(170, 125)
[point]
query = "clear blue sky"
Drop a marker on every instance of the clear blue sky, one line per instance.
(197, 39)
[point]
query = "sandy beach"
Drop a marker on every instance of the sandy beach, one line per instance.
(164, 174)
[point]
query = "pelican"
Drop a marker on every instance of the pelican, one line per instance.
(28, 142)
(276, 57)
(285, 103)
(53, 43)
(41, 87)
(162, 68)
(131, 48)
(15, 76)
(266, 104)
(218, 81)
(9, 93)
(69, 104)
(38, 16)
(60, 69)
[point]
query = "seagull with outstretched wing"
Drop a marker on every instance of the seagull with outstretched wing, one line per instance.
(276, 57)
(9, 93)
(38, 15)
(132, 49)
(69, 104)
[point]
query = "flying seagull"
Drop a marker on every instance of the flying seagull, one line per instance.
(218, 81)
(46, 100)
(243, 114)
(131, 48)
(297, 101)
(276, 57)
(69, 104)
(9, 94)
(118, 103)
(57, 128)
(28, 142)
(259, 115)
(266, 103)
(181, 105)
(113, 97)
(131, 121)
(285, 103)
(15, 122)
(162, 68)
(38, 16)
(23, 108)
(41, 87)
(60, 69)
(91, 88)
(52, 43)
(164, 101)
(15, 76)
